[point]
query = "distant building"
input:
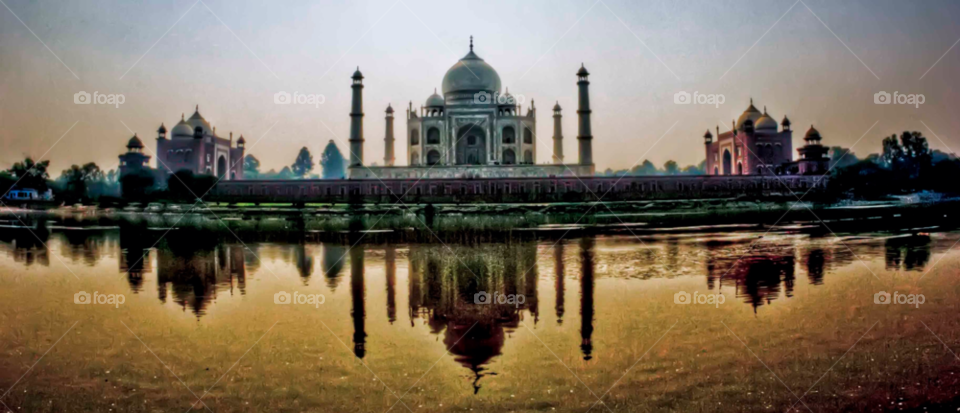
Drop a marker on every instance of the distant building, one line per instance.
(134, 160)
(194, 146)
(472, 130)
(755, 146)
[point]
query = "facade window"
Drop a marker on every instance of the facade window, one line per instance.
(527, 136)
(509, 135)
(415, 137)
(433, 136)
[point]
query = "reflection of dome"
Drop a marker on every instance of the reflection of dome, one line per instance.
(751, 114)
(434, 99)
(182, 129)
(471, 74)
(765, 122)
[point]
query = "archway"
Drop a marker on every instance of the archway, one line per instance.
(221, 167)
(414, 159)
(527, 136)
(471, 147)
(509, 157)
(528, 157)
(739, 168)
(716, 171)
(433, 136)
(433, 157)
(509, 135)
(727, 162)
(415, 137)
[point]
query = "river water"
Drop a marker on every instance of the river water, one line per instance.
(104, 320)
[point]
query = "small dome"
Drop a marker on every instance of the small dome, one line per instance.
(163, 129)
(557, 106)
(785, 122)
(389, 108)
(134, 143)
(241, 141)
(471, 74)
(197, 120)
(434, 100)
(812, 133)
(751, 114)
(182, 129)
(765, 122)
(357, 75)
(708, 134)
(583, 71)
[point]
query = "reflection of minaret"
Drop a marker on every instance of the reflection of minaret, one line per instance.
(414, 283)
(357, 299)
(134, 257)
(391, 265)
(304, 262)
(558, 266)
(586, 296)
(530, 280)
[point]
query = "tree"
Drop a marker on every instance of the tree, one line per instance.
(332, 162)
(31, 174)
(909, 156)
(285, 173)
(671, 168)
(304, 163)
(251, 167)
(186, 186)
(137, 185)
(646, 168)
(841, 157)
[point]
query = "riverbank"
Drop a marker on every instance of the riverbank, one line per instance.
(480, 222)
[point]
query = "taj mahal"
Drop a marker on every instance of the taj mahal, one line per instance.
(472, 130)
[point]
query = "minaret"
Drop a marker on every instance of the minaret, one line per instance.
(584, 137)
(557, 135)
(356, 120)
(388, 139)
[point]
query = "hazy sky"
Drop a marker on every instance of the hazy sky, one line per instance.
(230, 57)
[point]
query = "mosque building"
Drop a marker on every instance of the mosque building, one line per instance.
(471, 130)
(193, 145)
(755, 146)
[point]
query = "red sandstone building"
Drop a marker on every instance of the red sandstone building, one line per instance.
(755, 146)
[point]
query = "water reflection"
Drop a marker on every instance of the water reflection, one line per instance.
(442, 282)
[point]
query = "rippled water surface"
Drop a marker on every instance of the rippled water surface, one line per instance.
(205, 324)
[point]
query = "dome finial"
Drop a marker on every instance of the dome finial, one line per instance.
(471, 43)
(764, 109)
(751, 101)
(197, 109)
(181, 117)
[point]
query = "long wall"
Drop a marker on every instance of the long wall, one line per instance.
(509, 190)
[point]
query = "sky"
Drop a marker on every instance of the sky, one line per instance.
(818, 62)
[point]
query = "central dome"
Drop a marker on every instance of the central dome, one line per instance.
(471, 74)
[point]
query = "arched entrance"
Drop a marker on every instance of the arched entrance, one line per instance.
(471, 145)
(221, 167)
(739, 168)
(509, 157)
(727, 163)
(528, 157)
(414, 158)
(433, 157)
